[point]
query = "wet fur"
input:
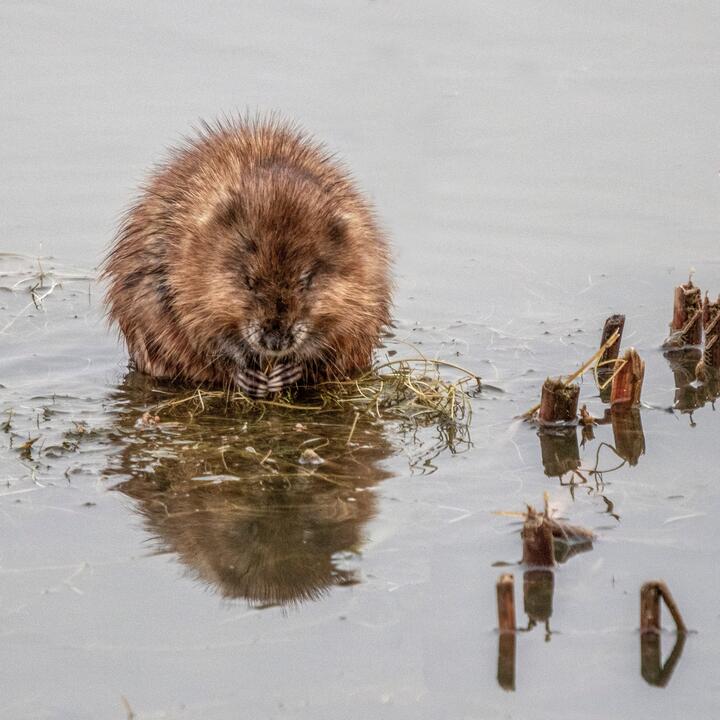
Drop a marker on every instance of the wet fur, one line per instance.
(249, 225)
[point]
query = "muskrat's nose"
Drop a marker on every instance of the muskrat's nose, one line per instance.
(276, 340)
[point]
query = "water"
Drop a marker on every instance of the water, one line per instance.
(538, 168)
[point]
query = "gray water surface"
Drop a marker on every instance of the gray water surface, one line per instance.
(538, 167)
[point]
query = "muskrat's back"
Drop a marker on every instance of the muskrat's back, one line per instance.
(250, 249)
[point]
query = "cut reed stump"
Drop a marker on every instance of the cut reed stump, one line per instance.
(709, 366)
(614, 325)
(711, 311)
(558, 402)
(537, 537)
(506, 603)
(628, 381)
(541, 532)
(687, 324)
(560, 387)
(506, 624)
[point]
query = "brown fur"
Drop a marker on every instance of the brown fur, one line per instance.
(250, 225)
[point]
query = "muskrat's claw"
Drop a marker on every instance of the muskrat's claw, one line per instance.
(252, 383)
(282, 376)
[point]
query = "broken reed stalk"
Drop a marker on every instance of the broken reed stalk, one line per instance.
(540, 531)
(711, 312)
(607, 362)
(506, 603)
(711, 322)
(559, 402)
(687, 322)
(628, 381)
(650, 595)
(615, 324)
(578, 373)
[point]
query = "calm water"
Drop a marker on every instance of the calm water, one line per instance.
(538, 168)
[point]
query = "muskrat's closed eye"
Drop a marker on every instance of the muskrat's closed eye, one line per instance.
(306, 279)
(249, 282)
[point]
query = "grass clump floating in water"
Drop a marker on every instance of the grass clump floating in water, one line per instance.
(406, 389)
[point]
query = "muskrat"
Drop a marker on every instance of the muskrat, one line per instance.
(250, 260)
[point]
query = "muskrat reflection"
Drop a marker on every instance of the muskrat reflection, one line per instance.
(254, 523)
(270, 542)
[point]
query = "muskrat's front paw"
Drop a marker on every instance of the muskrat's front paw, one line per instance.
(252, 383)
(282, 376)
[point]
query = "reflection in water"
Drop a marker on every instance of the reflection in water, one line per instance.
(268, 540)
(507, 645)
(628, 434)
(238, 502)
(690, 393)
(560, 454)
(538, 589)
(651, 665)
(560, 451)
(559, 447)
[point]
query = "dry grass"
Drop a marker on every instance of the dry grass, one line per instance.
(409, 388)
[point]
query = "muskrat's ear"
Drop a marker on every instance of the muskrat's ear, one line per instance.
(230, 211)
(224, 208)
(341, 224)
(336, 231)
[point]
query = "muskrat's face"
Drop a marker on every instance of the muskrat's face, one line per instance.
(283, 259)
(278, 300)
